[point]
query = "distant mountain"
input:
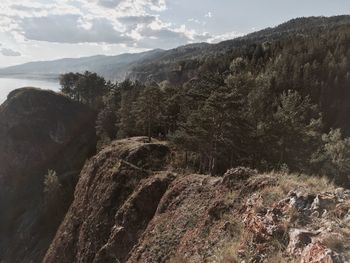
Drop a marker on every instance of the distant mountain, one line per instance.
(176, 65)
(181, 64)
(110, 67)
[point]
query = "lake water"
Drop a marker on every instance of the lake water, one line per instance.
(7, 85)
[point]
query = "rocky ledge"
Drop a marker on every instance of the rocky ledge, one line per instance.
(129, 207)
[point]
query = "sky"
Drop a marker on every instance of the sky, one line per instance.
(32, 30)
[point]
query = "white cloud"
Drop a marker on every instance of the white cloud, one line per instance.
(223, 37)
(193, 20)
(126, 22)
(71, 29)
(9, 52)
(105, 26)
(209, 15)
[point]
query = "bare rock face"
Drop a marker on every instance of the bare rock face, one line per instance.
(191, 223)
(39, 130)
(126, 209)
(36, 129)
(133, 218)
(116, 196)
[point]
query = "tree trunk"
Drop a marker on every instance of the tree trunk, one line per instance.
(149, 127)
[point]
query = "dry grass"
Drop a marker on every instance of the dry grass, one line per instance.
(313, 184)
(229, 254)
(177, 259)
(340, 242)
(335, 243)
(279, 258)
(271, 195)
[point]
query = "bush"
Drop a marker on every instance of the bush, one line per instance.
(56, 196)
(333, 159)
(52, 185)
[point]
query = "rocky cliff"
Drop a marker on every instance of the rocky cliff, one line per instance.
(39, 130)
(131, 204)
(129, 207)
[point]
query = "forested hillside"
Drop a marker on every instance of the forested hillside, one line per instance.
(278, 98)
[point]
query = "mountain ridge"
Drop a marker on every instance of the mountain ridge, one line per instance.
(110, 67)
(129, 65)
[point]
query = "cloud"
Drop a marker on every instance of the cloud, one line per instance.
(133, 24)
(146, 19)
(139, 31)
(209, 15)
(226, 36)
(164, 37)
(25, 8)
(155, 5)
(9, 52)
(71, 29)
(109, 3)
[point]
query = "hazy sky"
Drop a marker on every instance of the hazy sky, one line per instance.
(50, 29)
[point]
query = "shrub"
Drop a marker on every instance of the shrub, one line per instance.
(55, 195)
(334, 156)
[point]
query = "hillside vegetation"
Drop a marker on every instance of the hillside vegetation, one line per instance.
(275, 98)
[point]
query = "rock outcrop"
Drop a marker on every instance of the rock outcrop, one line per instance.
(39, 130)
(116, 197)
(305, 227)
(132, 209)
(126, 209)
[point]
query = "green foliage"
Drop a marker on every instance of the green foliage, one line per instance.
(55, 194)
(333, 158)
(216, 130)
(297, 124)
(87, 88)
(52, 186)
(106, 128)
(57, 197)
(263, 101)
(129, 94)
(148, 110)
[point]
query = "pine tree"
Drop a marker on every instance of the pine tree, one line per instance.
(106, 128)
(126, 124)
(333, 157)
(148, 110)
(296, 129)
(216, 129)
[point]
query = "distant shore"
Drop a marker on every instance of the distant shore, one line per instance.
(44, 77)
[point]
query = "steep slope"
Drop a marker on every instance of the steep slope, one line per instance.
(110, 67)
(126, 209)
(39, 130)
(107, 203)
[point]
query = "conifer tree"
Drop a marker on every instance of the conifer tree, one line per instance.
(148, 110)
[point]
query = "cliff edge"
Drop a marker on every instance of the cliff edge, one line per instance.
(39, 131)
